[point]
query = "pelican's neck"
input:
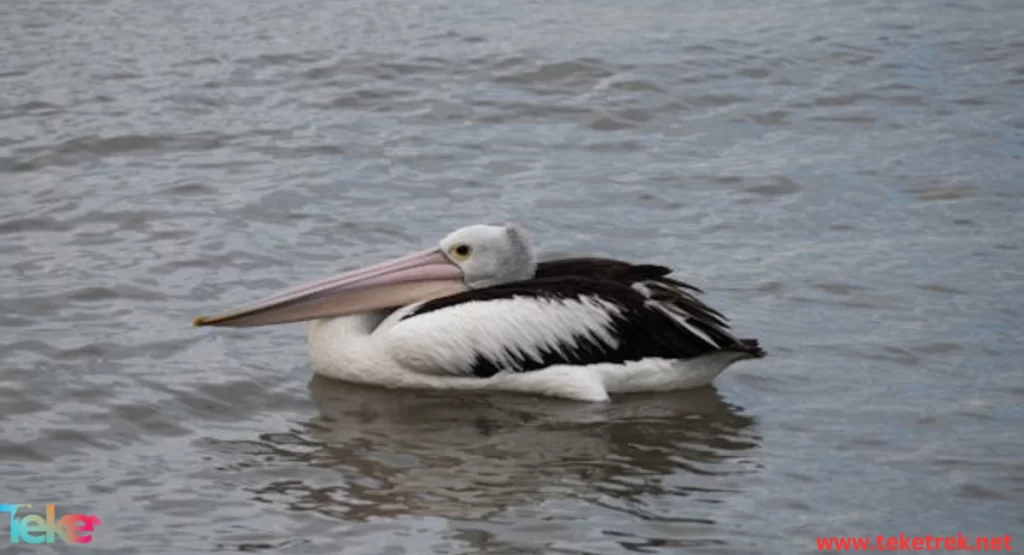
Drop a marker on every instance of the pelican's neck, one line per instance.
(333, 341)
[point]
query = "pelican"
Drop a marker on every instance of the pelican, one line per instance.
(480, 313)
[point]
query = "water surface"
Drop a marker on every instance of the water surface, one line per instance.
(843, 179)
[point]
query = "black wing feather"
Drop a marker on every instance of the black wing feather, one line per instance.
(660, 288)
(655, 277)
(607, 269)
(643, 328)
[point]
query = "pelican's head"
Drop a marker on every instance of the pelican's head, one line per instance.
(472, 257)
(490, 255)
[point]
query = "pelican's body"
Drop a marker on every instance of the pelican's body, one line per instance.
(576, 328)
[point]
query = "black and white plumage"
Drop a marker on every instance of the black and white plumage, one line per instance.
(647, 316)
(579, 328)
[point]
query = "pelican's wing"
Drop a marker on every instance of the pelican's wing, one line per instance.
(651, 280)
(533, 324)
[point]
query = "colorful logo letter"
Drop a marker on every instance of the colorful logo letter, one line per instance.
(35, 529)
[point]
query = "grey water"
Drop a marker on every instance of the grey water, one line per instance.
(844, 180)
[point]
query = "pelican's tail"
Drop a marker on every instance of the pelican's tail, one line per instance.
(749, 346)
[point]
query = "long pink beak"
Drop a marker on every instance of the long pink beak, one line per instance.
(417, 277)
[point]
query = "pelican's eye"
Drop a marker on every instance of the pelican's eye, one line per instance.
(460, 252)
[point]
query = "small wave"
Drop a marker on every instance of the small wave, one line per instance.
(713, 100)
(939, 288)
(754, 72)
(779, 187)
(190, 189)
(610, 123)
(368, 99)
(841, 99)
(573, 74)
(93, 294)
(33, 223)
(846, 118)
(15, 73)
(943, 192)
(36, 306)
(111, 145)
(92, 146)
(284, 58)
(30, 108)
(771, 117)
(21, 451)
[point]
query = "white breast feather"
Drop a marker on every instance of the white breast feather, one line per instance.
(448, 340)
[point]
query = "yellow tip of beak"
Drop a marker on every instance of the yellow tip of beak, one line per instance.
(199, 321)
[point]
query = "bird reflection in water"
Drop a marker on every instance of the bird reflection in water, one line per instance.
(373, 453)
